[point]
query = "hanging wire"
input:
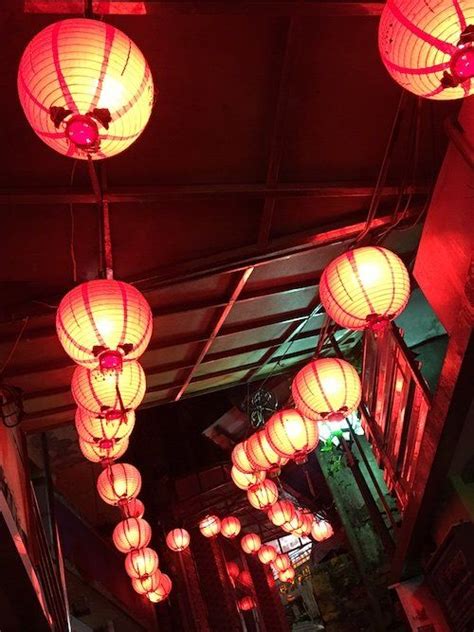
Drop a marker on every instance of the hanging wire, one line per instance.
(71, 214)
(15, 345)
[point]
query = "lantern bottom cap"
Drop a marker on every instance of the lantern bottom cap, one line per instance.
(83, 132)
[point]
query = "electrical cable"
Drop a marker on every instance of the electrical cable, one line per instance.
(71, 214)
(15, 345)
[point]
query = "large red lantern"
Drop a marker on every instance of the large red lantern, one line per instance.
(428, 49)
(106, 456)
(119, 483)
(178, 539)
(144, 585)
(327, 388)
(282, 562)
(134, 508)
(240, 458)
(85, 88)
(262, 455)
(281, 512)
(321, 530)
(109, 394)
(246, 603)
(230, 527)
(163, 590)
(267, 554)
(291, 435)
(141, 563)
(251, 543)
(366, 287)
(210, 526)
(263, 495)
(131, 533)
(287, 575)
(101, 431)
(245, 480)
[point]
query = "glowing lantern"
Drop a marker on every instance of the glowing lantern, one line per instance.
(103, 432)
(429, 51)
(134, 508)
(267, 554)
(307, 520)
(281, 512)
(245, 580)
(287, 575)
(178, 539)
(109, 394)
(282, 562)
(85, 88)
(210, 526)
(232, 570)
(143, 585)
(240, 458)
(263, 495)
(230, 527)
(162, 591)
(244, 480)
(251, 543)
(106, 456)
(262, 454)
(321, 530)
(366, 287)
(327, 388)
(246, 603)
(119, 483)
(141, 563)
(292, 435)
(294, 524)
(131, 533)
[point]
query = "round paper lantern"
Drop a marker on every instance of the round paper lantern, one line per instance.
(428, 49)
(109, 394)
(141, 563)
(282, 562)
(230, 527)
(281, 512)
(101, 431)
(240, 458)
(178, 539)
(365, 287)
(263, 495)
(246, 603)
(103, 322)
(267, 554)
(245, 580)
(106, 456)
(85, 88)
(210, 526)
(321, 530)
(307, 520)
(327, 388)
(134, 508)
(291, 435)
(251, 543)
(131, 533)
(143, 585)
(294, 524)
(262, 455)
(287, 575)
(119, 483)
(232, 570)
(246, 480)
(163, 590)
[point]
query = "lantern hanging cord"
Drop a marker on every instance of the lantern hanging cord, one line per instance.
(105, 255)
(71, 213)
(15, 345)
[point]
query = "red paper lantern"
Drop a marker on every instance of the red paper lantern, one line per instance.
(163, 590)
(307, 520)
(245, 580)
(144, 585)
(210, 526)
(281, 512)
(103, 432)
(246, 603)
(240, 458)
(263, 495)
(131, 533)
(141, 563)
(178, 539)
(119, 483)
(321, 530)
(251, 543)
(246, 480)
(287, 575)
(232, 570)
(230, 527)
(282, 562)
(291, 435)
(429, 50)
(294, 524)
(134, 508)
(262, 455)
(109, 394)
(267, 554)
(327, 388)
(106, 456)
(365, 287)
(85, 88)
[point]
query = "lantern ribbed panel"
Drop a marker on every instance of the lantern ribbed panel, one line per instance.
(80, 65)
(96, 429)
(210, 526)
(281, 512)
(119, 483)
(96, 454)
(141, 563)
(178, 539)
(307, 520)
(98, 392)
(261, 454)
(162, 591)
(294, 524)
(240, 458)
(363, 286)
(133, 508)
(287, 575)
(251, 543)
(291, 435)
(282, 562)
(246, 603)
(267, 554)
(103, 314)
(263, 495)
(418, 43)
(131, 533)
(230, 527)
(327, 388)
(246, 481)
(144, 585)
(321, 530)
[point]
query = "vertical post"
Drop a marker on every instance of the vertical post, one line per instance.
(269, 602)
(51, 527)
